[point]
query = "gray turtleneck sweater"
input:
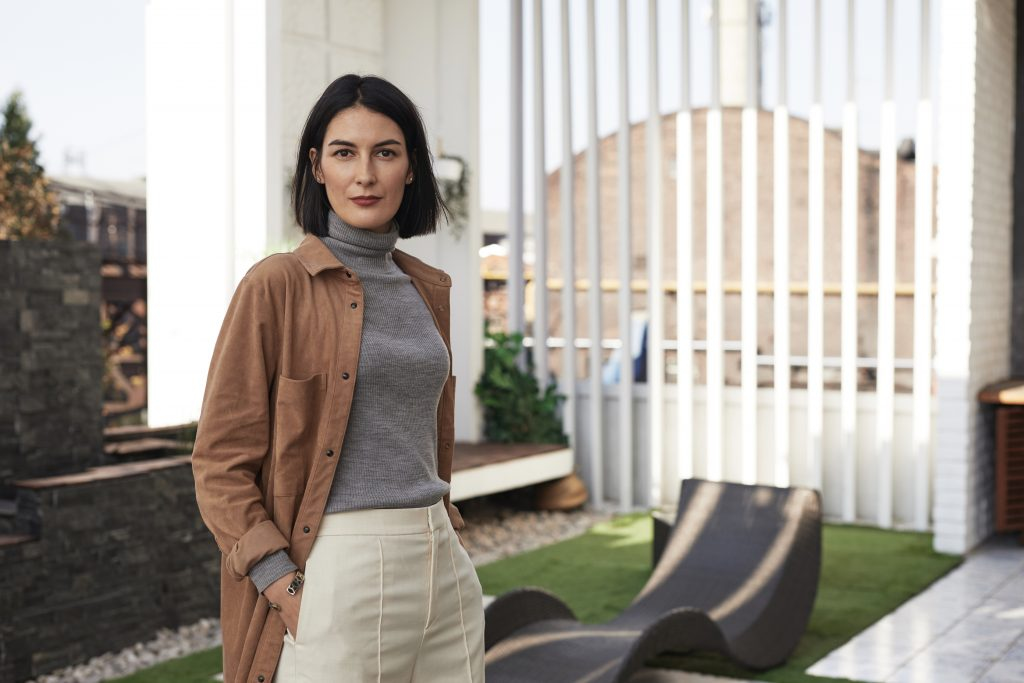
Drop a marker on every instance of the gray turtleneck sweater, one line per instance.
(389, 456)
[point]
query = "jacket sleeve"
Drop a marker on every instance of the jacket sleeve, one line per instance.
(446, 424)
(232, 438)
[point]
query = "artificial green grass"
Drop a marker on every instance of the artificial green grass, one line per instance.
(199, 667)
(866, 573)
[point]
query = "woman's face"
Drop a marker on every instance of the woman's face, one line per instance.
(363, 154)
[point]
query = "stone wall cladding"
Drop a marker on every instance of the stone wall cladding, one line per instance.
(116, 559)
(51, 359)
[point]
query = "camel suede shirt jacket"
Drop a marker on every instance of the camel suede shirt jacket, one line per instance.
(273, 419)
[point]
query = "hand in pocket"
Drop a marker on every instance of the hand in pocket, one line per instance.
(290, 604)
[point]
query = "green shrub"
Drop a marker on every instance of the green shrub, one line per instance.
(515, 410)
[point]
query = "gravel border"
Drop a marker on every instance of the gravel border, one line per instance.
(496, 527)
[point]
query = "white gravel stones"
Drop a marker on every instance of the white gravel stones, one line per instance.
(168, 644)
(493, 531)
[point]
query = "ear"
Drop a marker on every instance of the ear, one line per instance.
(317, 173)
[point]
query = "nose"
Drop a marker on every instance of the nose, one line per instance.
(364, 173)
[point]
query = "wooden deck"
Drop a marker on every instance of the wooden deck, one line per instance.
(480, 469)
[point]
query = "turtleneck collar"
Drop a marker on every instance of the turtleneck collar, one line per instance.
(358, 241)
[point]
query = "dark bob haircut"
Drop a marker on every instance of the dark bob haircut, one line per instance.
(422, 203)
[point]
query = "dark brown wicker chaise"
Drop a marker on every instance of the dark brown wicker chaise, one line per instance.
(738, 576)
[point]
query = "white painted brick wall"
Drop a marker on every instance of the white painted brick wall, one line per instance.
(975, 210)
(321, 40)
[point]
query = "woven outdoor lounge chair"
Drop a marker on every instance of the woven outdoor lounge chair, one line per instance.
(738, 576)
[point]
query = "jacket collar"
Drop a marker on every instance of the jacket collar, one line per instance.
(315, 256)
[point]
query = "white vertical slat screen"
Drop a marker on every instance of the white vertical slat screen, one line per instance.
(715, 313)
(540, 206)
(515, 216)
(594, 262)
(923, 217)
(815, 262)
(567, 175)
(655, 290)
(780, 253)
(748, 354)
(886, 280)
(754, 453)
(684, 256)
(848, 324)
(625, 273)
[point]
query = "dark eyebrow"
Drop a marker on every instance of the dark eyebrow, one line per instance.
(346, 143)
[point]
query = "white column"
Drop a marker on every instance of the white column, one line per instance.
(568, 216)
(625, 265)
(780, 251)
(850, 213)
(748, 361)
(436, 64)
(923, 221)
(973, 268)
(815, 264)
(886, 283)
(655, 279)
(684, 256)
(594, 268)
(230, 204)
(715, 297)
(515, 197)
(540, 206)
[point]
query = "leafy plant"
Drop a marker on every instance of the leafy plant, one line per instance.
(515, 410)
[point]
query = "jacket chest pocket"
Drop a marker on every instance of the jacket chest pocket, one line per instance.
(296, 421)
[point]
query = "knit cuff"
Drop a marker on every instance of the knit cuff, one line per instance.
(271, 568)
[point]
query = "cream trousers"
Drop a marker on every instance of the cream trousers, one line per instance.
(390, 596)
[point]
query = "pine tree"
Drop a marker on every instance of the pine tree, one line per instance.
(27, 206)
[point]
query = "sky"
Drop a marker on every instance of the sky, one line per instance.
(85, 90)
(80, 66)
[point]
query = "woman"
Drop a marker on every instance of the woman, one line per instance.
(323, 453)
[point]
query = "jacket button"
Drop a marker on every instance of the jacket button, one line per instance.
(260, 678)
(344, 375)
(353, 304)
(305, 529)
(330, 452)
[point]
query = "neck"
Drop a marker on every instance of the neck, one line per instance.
(359, 241)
